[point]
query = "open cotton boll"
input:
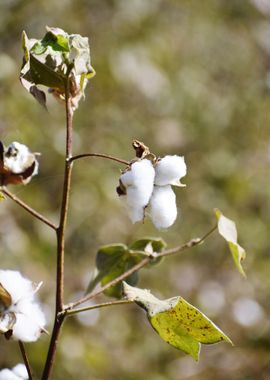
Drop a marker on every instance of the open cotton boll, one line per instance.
(18, 157)
(163, 210)
(30, 321)
(19, 312)
(139, 183)
(7, 374)
(21, 371)
(169, 170)
(15, 284)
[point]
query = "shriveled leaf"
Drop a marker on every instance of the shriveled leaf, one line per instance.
(5, 297)
(112, 261)
(227, 229)
(176, 321)
(52, 61)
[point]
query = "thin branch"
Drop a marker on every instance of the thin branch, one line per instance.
(191, 243)
(25, 360)
(97, 306)
(73, 158)
(17, 200)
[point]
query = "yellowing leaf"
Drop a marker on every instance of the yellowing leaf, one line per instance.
(227, 229)
(177, 322)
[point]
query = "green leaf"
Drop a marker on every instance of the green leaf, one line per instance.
(227, 229)
(2, 197)
(112, 261)
(177, 322)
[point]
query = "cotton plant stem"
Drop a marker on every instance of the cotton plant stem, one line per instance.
(33, 212)
(69, 313)
(60, 235)
(26, 361)
(106, 156)
(191, 243)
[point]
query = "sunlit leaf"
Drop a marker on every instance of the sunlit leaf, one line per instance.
(177, 322)
(228, 231)
(2, 197)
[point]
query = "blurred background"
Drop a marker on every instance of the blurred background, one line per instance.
(186, 77)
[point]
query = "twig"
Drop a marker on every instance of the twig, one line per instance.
(33, 212)
(73, 158)
(25, 360)
(97, 306)
(191, 243)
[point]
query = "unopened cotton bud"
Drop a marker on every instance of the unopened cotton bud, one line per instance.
(163, 210)
(169, 170)
(138, 183)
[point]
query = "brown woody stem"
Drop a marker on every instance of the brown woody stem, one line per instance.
(106, 156)
(25, 360)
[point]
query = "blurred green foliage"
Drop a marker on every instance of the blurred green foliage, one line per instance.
(186, 77)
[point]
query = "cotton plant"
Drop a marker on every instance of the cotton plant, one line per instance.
(61, 62)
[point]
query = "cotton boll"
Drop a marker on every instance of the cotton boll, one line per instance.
(163, 210)
(18, 157)
(139, 183)
(15, 284)
(169, 170)
(30, 322)
(7, 374)
(21, 371)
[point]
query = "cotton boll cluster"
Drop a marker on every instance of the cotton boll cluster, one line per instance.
(19, 372)
(148, 182)
(20, 315)
(17, 164)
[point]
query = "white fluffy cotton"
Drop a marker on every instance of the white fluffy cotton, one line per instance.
(29, 319)
(139, 182)
(19, 159)
(19, 372)
(169, 170)
(163, 210)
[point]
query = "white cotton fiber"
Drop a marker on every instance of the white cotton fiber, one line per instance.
(29, 319)
(169, 170)
(163, 210)
(7, 374)
(20, 159)
(139, 183)
(21, 371)
(15, 284)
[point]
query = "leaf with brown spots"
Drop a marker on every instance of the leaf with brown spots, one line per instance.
(177, 322)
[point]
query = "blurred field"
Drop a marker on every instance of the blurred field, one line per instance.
(186, 77)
